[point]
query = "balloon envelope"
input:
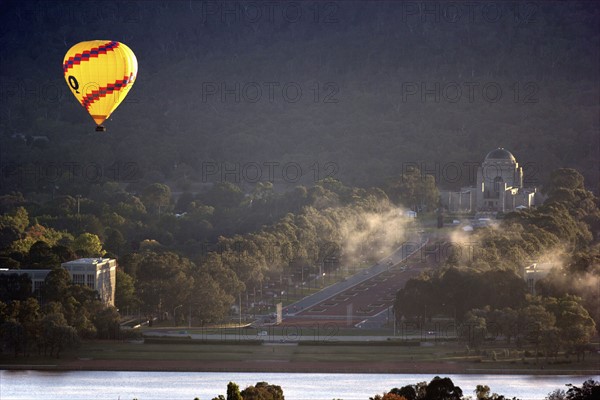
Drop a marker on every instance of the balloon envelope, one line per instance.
(100, 73)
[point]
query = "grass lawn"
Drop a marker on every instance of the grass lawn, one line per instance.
(442, 355)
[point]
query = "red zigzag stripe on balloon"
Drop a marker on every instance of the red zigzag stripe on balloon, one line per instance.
(86, 55)
(94, 95)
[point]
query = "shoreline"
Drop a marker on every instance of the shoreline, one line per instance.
(277, 366)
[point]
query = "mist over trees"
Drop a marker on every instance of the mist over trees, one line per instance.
(482, 288)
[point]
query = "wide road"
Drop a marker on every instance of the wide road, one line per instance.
(321, 333)
(365, 294)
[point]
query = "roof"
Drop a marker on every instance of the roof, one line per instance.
(96, 260)
(500, 154)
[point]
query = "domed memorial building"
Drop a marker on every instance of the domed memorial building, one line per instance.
(499, 187)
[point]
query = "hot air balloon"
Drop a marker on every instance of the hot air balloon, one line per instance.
(100, 73)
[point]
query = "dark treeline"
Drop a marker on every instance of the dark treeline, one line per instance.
(260, 391)
(437, 389)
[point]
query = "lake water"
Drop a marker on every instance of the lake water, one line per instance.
(126, 385)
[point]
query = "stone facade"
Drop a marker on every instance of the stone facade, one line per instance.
(499, 187)
(99, 274)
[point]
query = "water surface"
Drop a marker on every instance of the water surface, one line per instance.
(127, 385)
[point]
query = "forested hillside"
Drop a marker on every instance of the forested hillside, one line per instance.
(353, 90)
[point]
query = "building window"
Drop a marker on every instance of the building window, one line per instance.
(91, 281)
(497, 182)
(78, 279)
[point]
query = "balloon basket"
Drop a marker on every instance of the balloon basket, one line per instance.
(100, 128)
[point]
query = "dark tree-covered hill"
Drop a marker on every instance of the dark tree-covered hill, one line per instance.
(350, 89)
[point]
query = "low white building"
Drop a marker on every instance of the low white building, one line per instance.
(37, 276)
(99, 274)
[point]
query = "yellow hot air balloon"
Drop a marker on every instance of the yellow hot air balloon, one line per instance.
(100, 73)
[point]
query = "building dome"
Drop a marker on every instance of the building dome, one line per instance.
(500, 154)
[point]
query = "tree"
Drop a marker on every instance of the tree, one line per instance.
(184, 202)
(482, 392)
(263, 391)
(504, 288)
(551, 341)
(388, 396)
(15, 287)
(63, 253)
(233, 392)
(535, 321)
(212, 303)
(13, 334)
(12, 226)
(106, 322)
(564, 178)
(130, 207)
(56, 285)
(125, 296)
(8, 235)
(19, 218)
(590, 390)
(415, 299)
(164, 281)
(408, 392)
(243, 257)
(576, 327)
(36, 233)
(41, 256)
(442, 389)
(414, 190)
(155, 196)
(557, 394)
(88, 245)
(224, 195)
(28, 315)
(130, 263)
(225, 277)
(56, 334)
(115, 242)
(84, 327)
(473, 329)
